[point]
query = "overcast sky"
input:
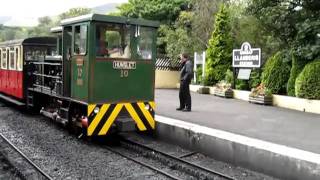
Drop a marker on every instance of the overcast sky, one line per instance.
(26, 12)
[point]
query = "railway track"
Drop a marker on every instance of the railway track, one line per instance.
(165, 164)
(21, 166)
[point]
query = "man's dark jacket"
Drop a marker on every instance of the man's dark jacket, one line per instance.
(186, 72)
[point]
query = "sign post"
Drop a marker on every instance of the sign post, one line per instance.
(199, 59)
(244, 60)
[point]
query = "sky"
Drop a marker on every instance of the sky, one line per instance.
(26, 12)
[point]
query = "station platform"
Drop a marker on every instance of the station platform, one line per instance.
(280, 142)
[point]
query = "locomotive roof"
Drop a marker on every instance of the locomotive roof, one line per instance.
(112, 19)
(31, 41)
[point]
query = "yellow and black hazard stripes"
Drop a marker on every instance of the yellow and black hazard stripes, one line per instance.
(101, 117)
(135, 117)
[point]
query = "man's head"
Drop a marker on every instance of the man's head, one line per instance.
(184, 57)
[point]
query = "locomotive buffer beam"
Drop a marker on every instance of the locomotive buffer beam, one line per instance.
(125, 124)
(54, 116)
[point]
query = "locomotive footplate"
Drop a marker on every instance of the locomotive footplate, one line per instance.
(101, 117)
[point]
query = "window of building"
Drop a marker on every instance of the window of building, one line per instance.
(145, 42)
(80, 40)
(4, 59)
(113, 41)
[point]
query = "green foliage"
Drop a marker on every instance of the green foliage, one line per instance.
(242, 84)
(296, 68)
(255, 79)
(199, 75)
(229, 76)
(42, 29)
(308, 82)
(220, 48)
(9, 33)
(204, 12)
(73, 12)
(177, 39)
(295, 23)
(275, 74)
(166, 11)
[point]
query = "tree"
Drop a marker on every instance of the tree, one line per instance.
(294, 22)
(178, 39)
(165, 11)
(204, 12)
(220, 48)
(74, 12)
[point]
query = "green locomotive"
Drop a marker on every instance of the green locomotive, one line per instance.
(103, 79)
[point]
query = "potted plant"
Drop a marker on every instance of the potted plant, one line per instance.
(223, 89)
(261, 95)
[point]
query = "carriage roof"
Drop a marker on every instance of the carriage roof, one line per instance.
(30, 41)
(112, 19)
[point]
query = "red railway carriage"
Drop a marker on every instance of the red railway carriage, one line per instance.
(12, 58)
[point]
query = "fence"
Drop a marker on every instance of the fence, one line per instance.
(165, 63)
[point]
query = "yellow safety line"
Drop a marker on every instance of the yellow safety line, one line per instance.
(97, 119)
(152, 104)
(90, 108)
(111, 119)
(147, 114)
(135, 117)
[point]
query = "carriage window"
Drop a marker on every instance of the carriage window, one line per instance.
(4, 60)
(35, 53)
(80, 40)
(12, 63)
(18, 59)
(113, 40)
(145, 42)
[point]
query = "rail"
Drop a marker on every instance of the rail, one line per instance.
(178, 163)
(44, 174)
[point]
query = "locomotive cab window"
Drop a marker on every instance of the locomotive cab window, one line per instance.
(80, 40)
(144, 37)
(113, 41)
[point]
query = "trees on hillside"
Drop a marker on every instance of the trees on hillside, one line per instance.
(165, 11)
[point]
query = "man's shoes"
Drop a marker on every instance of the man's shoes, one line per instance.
(179, 109)
(186, 110)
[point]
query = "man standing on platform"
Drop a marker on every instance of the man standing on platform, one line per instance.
(185, 80)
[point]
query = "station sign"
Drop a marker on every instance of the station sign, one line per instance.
(246, 57)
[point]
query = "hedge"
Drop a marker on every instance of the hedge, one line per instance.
(275, 74)
(296, 68)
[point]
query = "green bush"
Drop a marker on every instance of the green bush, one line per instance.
(308, 82)
(199, 75)
(275, 74)
(229, 76)
(255, 79)
(242, 84)
(296, 68)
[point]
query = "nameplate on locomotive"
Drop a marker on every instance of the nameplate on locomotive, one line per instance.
(124, 65)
